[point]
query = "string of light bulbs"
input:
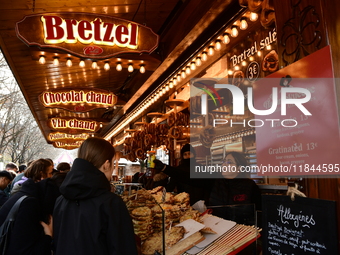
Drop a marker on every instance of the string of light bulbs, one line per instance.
(216, 44)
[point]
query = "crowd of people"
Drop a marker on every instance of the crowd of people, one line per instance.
(71, 210)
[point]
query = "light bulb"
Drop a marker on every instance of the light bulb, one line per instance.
(193, 65)
(82, 63)
(130, 68)
(68, 62)
(142, 69)
(259, 53)
(253, 16)
(179, 77)
(243, 24)
(171, 84)
(237, 68)
(119, 67)
(211, 50)
(167, 88)
(234, 31)
(226, 38)
(55, 61)
(218, 45)
(94, 64)
(42, 60)
(204, 56)
(230, 72)
(107, 66)
(268, 47)
(188, 70)
(198, 61)
(175, 81)
(183, 74)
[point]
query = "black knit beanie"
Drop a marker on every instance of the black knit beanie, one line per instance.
(187, 147)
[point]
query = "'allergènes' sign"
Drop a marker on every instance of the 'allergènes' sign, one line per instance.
(78, 100)
(86, 34)
(73, 125)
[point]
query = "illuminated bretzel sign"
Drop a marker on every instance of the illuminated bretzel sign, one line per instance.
(67, 146)
(73, 124)
(78, 100)
(86, 34)
(58, 136)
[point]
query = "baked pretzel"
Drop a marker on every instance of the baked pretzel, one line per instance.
(171, 119)
(270, 62)
(238, 78)
(139, 153)
(175, 132)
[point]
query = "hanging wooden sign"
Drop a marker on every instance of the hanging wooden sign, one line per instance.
(67, 145)
(58, 136)
(78, 100)
(86, 35)
(73, 125)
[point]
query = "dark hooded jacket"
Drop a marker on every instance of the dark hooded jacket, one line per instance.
(88, 218)
(27, 236)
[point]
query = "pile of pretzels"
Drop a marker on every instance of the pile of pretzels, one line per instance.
(153, 135)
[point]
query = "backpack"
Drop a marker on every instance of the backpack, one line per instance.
(5, 228)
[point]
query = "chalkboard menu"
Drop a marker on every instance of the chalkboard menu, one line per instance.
(303, 226)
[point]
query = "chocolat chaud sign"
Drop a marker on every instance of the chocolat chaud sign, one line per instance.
(86, 34)
(78, 100)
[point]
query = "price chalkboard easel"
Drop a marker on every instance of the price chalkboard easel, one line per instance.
(303, 226)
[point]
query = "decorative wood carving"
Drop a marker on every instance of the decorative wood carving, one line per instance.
(301, 29)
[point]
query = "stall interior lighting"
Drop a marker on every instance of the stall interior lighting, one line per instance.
(187, 67)
(142, 68)
(130, 68)
(82, 63)
(69, 62)
(234, 31)
(42, 60)
(56, 61)
(243, 24)
(226, 38)
(107, 66)
(253, 16)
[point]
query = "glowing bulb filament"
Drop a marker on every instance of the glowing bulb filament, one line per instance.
(243, 24)
(107, 66)
(234, 32)
(42, 60)
(211, 50)
(68, 63)
(130, 68)
(226, 38)
(142, 69)
(253, 16)
(56, 61)
(119, 67)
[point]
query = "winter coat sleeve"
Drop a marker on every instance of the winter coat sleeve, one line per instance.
(27, 234)
(120, 234)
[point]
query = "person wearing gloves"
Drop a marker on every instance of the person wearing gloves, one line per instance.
(88, 218)
(196, 188)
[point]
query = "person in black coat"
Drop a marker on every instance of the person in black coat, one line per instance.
(29, 235)
(88, 218)
(234, 196)
(180, 176)
(32, 229)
